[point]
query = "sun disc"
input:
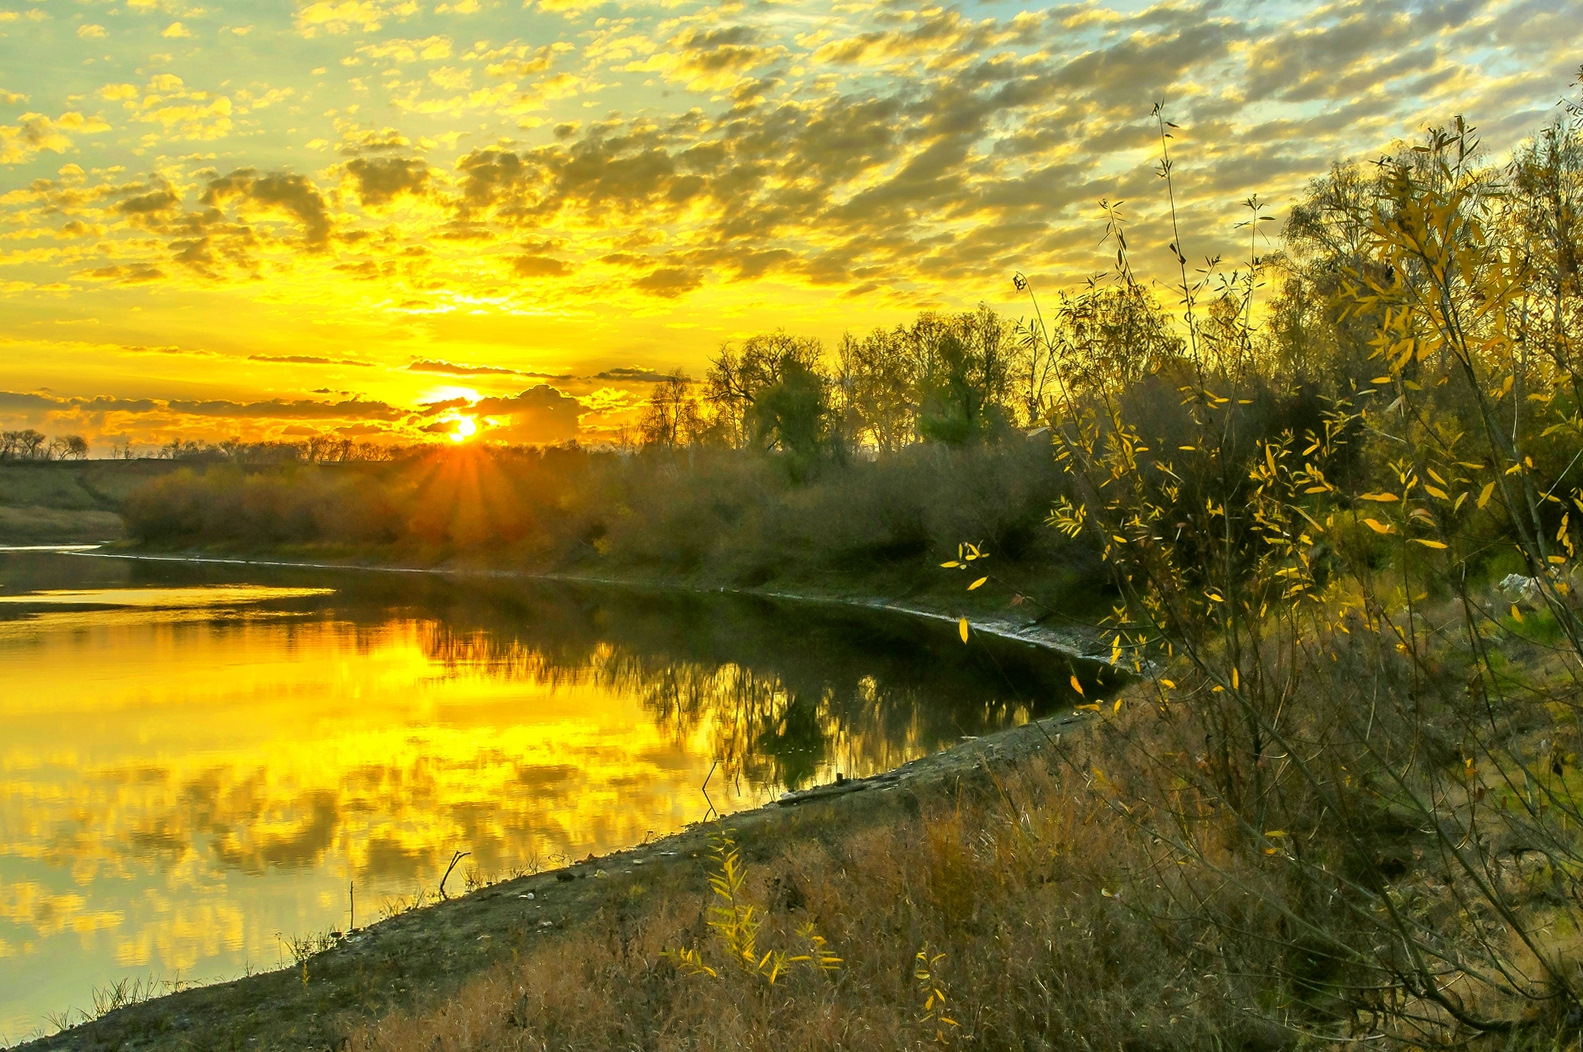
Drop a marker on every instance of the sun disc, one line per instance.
(465, 428)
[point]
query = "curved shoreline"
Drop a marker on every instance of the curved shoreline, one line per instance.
(1068, 646)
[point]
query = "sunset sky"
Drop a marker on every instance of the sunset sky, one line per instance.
(271, 218)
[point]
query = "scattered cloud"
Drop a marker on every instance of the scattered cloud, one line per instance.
(344, 16)
(437, 179)
(35, 132)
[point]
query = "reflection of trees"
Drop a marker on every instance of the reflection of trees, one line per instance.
(775, 698)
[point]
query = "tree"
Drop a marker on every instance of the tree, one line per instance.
(69, 447)
(877, 383)
(26, 444)
(964, 365)
(793, 415)
(737, 379)
(671, 418)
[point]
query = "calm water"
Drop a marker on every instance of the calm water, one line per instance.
(196, 762)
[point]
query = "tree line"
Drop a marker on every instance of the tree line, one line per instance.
(28, 444)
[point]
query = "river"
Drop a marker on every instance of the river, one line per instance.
(200, 763)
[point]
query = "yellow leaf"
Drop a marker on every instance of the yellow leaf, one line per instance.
(1436, 491)
(961, 628)
(1380, 380)
(1167, 684)
(1517, 615)
(1236, 681)
(1274, 834)
(1380, 498)
(1484, 494)
(1437, 545)
(1076, 685)
(1118, 706)
(953, 564)
(1087, 708)
(1379, 527)
(976, 583)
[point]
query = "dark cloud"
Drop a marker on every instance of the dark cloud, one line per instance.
(155, 201)
(293, 194)
(128, 274)
(535, 266)
(632, 374)
(303, 359)
(276, 408)
(424, 365)
(716, 52)
(382, 180)
(284, 409)
(539, 415)
(669, 281)
(369, 141)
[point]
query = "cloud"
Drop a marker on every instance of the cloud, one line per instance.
(632, 374)
(126, 274)
(288, 409)
(357, 141)
(303, 359)
(539, 415)
(343, 16)
(400, 50)
(179, 111)
(531, 265)
(294, 195)
(429, 365)
(35, 132)
(712, 58)
(90, 31)
(175, 31)
(382, 180)
(669, 281)
(272, 409)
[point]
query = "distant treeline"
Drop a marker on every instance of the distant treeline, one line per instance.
(320, 449)
(710, 511)
(29, 444)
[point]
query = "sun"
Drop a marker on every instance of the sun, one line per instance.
(466, 428)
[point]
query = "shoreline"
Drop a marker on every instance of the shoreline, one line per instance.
(1068, 645)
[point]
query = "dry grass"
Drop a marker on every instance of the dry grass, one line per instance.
(1018, 893)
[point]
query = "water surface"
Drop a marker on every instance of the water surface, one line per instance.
(197, 762)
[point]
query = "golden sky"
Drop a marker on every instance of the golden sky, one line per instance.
(264, 220)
